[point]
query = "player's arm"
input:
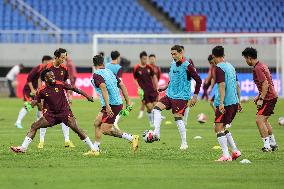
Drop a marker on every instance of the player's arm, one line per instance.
(220, 79)
(103, 88)
(30, 78)
(260, 74)
(192, 73)
(79, 91)
(124, 92)
(155, 81)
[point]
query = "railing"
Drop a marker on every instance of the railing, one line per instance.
(18, 36)
(38, 19)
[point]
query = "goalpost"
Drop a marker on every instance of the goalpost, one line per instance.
(270, 49)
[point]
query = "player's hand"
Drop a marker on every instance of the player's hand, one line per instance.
(259, 103)
(33, 92)
(161, 89)
(255, 99)
(222, 108)
(90, 98)
(141, 93)
(240, 108)
(193, 101)
(129, 106)
(109, 111)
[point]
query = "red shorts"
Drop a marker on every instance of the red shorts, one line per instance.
(267, 107)
(178, 106)
(150, 97)
(228, 116)
(26, 95)
(54, 119)
(115, 109)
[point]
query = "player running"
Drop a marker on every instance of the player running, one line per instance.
(107, 86)
(56, 110)
(117, 70)
(147, 84)
(61, 74)
(226, 101)
(30, 89)
(265, 100)
(178, 94)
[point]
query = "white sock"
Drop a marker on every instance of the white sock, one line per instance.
(182, 131)
(26, 143)
(89, 143)
(186, 114)
(116, 119)
(42, 132)
(231, 141)
(272, 140)
(157, 121)
(65, 130)
(22, 114)
(141, 113)
(127, 136)
(38, 115)
(222, 139)
(150, 117)
(97, 146)
(266, 143)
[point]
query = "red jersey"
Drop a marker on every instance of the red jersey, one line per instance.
(144, 76)
(157, 71)
(260, 74)
(60, 72)
(54, 97)
(33, 77)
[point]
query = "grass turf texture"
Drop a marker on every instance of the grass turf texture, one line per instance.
(157, 165)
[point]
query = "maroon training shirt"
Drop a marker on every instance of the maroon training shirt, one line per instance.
(260, 74)
(60, 73)
(144, 76)
(33, 77)
(54, 97)
(157, 71)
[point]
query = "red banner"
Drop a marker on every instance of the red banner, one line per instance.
(84, 83)
(195, 23)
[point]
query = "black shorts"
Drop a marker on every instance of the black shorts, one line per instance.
(228, 116)
(267, 107)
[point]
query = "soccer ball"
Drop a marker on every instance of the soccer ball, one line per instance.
(201, 118)
(281, 121)
(148, 136)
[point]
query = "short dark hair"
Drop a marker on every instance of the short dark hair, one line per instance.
(43, 73)
(114, 55)
(210, 58)
(250, 52)
(98, 60)
(58, 52)
(177, 48)
(46, 57)
(182, 47)
(218, 51)
(102, 53)
(143, 53)
(152, 55)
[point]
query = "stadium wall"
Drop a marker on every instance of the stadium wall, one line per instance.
(30, 54)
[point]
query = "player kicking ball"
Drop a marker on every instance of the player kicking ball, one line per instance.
(107, 86)
(56, 110)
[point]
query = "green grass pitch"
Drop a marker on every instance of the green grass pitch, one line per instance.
(157, 165)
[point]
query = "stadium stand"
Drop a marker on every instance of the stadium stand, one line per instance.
(229, 15)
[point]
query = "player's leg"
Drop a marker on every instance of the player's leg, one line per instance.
(160, 106)
(221, 137)
(108, 129)
(230, 115)
(71, 122)
(67, 142)
(263, 131)
(271, 136)
(98, 131)
(149, 107)
(178, 110)
(23, 112)
(141, 112)
(41, 123)
(186, 115)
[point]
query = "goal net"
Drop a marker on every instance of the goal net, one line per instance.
(270, 49)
